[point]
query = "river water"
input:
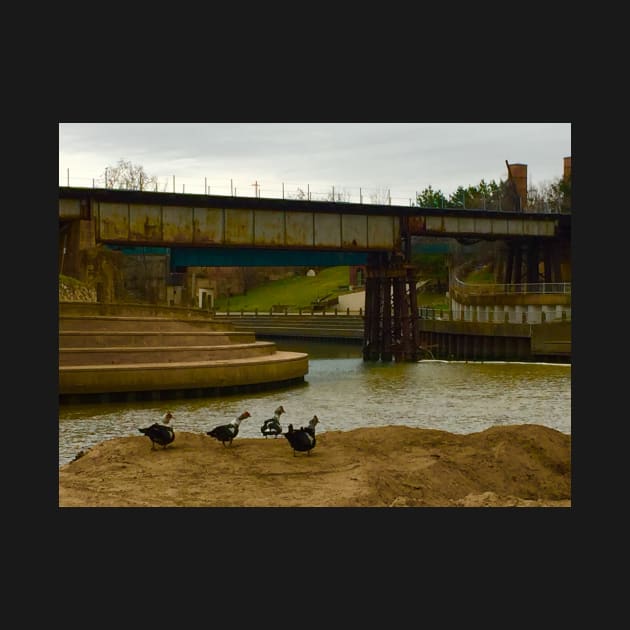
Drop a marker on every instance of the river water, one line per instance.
(347, 393)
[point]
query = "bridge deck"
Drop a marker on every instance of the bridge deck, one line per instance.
(177, 220)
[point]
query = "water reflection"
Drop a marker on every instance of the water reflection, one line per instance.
(346, 393)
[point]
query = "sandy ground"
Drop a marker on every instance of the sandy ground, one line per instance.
(392, 466)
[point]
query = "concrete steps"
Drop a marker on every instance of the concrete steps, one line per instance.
(301, 326)
(163, 354)
(143, 339)
(147, 324)
(134, 352)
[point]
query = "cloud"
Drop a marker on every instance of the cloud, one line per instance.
(402, 156)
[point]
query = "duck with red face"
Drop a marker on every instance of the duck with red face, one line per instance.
(225, 433)
(272, 426)
(161, 434)
(302, 439)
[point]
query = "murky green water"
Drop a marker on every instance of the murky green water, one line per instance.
(347, 393)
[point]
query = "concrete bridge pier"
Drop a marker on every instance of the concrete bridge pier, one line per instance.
(74, 238)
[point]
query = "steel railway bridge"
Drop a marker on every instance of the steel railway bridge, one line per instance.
(213, 230)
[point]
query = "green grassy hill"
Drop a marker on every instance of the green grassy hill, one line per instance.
(300, 292)
(294, 293)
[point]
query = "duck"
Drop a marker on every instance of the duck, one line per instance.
(311, 426)
(78, 455)
(161, 434)
(227, 432)
(302, 439)
(272, 426)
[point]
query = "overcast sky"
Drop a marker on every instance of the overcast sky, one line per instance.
(400, 157)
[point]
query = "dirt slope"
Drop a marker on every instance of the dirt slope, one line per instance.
(392, 466)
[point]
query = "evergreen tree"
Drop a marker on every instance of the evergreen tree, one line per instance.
(430, 198)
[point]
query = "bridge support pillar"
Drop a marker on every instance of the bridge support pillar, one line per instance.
(391, 311)
(74, 238)
(522, 261)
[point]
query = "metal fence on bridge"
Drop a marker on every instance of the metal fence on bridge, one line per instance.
(300, 191)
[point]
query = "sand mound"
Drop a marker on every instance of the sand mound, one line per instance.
(394, 466)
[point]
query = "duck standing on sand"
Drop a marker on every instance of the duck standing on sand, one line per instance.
(227, 432)
(311, 426)
(161, 434)
(302, 439)
(272, 426)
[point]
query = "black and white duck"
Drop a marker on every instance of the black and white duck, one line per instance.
(227, 432)
(161, 434)
(311, 426)
(302, 439)
(272, 426)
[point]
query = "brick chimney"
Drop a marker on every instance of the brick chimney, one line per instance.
(519, 176)
(567, 167)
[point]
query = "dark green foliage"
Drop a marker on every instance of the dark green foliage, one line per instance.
(430, 198)
(546, 197)
(488, 195)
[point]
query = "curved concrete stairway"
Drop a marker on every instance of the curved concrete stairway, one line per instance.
(122, 352)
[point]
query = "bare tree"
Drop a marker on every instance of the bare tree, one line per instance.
(128, 176)
(344, 196)
(380, 196)
(546, 196)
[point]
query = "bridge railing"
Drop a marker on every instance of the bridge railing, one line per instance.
(465, 288)
(277, 312)
(490, 317)
(297, 190)
(424, 312)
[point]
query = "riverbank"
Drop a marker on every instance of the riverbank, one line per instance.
(392, 466)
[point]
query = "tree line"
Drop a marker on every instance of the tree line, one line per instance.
(545, 197)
